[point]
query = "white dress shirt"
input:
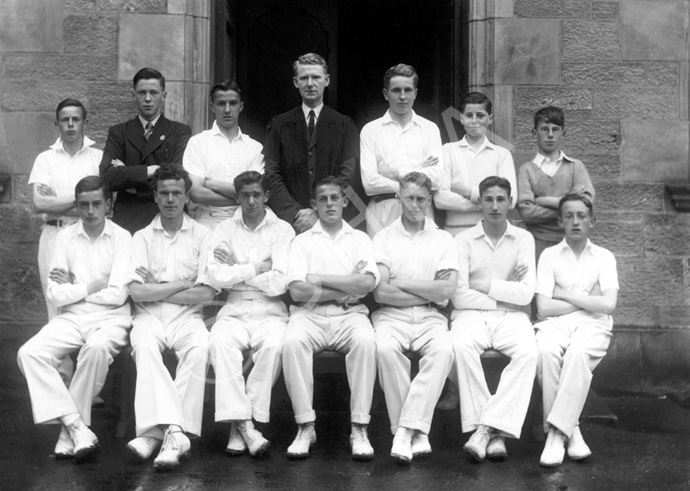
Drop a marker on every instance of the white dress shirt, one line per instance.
(480, 259)
(210, 155)
(86, 261)
(270, 240)
(316, 252)
(388, 152)
(55, 168)
(170, 258)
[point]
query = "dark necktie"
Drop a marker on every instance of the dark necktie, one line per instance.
(312, 118)
(148, 129)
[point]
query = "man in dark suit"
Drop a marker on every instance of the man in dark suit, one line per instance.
(137, 148)
(306, 144)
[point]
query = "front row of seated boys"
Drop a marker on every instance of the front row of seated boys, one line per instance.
(174, 265)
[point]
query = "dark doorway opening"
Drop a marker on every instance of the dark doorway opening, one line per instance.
(256, 42)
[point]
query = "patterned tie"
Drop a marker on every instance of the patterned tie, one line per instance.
(148, 129)
(312, 118)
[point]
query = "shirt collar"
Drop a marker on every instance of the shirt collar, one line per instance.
(107, 229)
(269, 218)
(429, 224)
(58, 144)
(153, 123)
(478, 230)
(215, 130)
(485, 144)
(589, 247)
(539, 158)
(318, 229)
(387, 119)
(306, 109)
(158, 225)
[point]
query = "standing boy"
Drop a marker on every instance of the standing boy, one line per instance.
(88, 282)
(577, 290)
(215, 157)
(249, 258)
(467, 162)
(397, 143)
(496, 278)
(53, 177)
(137, 148)
(551, 175)
(306, 144)
(331, 269)
(167, 268)
(418, 265)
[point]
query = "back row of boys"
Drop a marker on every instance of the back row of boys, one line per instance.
(413, 268)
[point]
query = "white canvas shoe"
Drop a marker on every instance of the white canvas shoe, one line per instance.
(305, 439)
(143, 447)
(256, 443)
(476, 445)
(176, 446)
(85, 441)
(64, 448)
(554, 449)
(420, 445)
(401, 451)
(359, 441)
(496, 449)
(576, 446)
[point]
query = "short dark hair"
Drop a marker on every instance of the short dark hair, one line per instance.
(575, 197)
(327, 181)
(494, 181)
(148, 74)
(225, 86)
(476, 98)
(400, 70)
(550, 114)
(170, 172)
(70, 103)
(247, 178)
(418, 178)
(310, 59)
(92, 183)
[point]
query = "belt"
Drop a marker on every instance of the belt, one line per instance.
(430, 305)
(343, 305)
(383, 197)
(59, 223)
(247, 294)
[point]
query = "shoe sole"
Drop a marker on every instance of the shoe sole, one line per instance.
(64, 456)
(421, 455)
(261, 452)
(497, 456)
(363, 457)
(85, 454)
(478, 458)
(550, 464)
(401, 460)
(169, 466)
(579, 458)
(233, 452)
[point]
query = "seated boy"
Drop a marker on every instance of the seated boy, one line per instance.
(167, 266)
(249, 258)
(331, 268)
(418, 265)
(465, 164)
(548, 177)
(87, 282)
(496, 277)
(577, 290)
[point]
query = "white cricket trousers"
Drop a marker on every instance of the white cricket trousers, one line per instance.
(329, 327)
(511, 333)
(158, 399)
(255, 324)
(422, 330)
(98, 336)
(570, 348)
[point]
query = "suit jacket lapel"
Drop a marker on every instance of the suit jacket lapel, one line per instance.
(160, 132)
(135, 134)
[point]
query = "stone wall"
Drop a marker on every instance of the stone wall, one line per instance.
(620, 71)
(90, 50)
